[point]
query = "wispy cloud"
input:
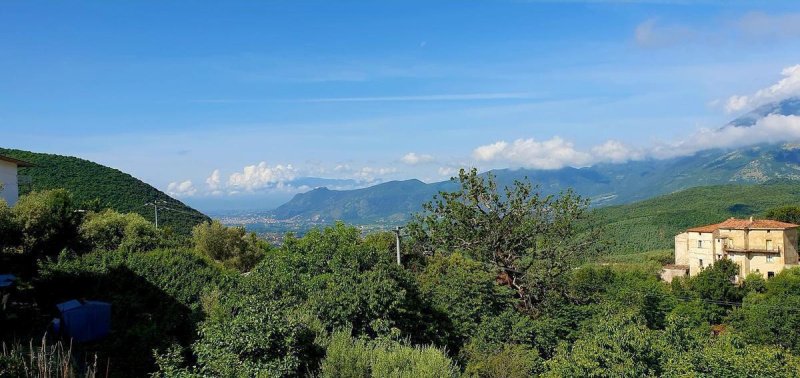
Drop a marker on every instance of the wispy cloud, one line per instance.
(751, 27)
(438, 97)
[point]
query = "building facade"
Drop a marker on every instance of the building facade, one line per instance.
(757, 246)
(9, 180)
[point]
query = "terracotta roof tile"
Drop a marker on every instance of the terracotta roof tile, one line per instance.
(741, 224)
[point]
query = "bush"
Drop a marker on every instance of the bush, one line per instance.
(9, 229)
(48, 222)
(109, 230)
(347, 357)
(231, 246)
(246, 336)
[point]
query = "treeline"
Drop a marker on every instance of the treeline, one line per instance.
(493, 283)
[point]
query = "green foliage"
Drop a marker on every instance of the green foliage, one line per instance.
(48, 222)
(347, 357)
(95, 186)
(533, 239)
(620, 345)
(466, 291)
(728, 357)
(109, 230)
(772, 317)
(507, 361)
(231, 246)
(789, 214)
(245, 336)
(9, 229)
(716, 282)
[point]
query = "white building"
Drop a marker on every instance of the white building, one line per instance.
(9, 182)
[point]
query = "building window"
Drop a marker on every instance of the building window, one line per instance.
(701, 263)
(699, 244)
(769, 245)
(770, 274)
(770, 258)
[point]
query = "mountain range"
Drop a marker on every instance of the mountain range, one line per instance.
(605, 184)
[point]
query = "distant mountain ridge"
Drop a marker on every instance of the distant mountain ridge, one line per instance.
(605, 184)
(120, 191)
(789, 106)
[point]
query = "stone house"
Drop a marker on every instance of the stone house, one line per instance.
(756, 245)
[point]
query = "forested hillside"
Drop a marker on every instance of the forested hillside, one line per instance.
(652, 224)
(88, 181)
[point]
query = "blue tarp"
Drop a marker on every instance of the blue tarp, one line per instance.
(7, 280)
(85, 321)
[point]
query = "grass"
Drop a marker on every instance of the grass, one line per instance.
(43, 361)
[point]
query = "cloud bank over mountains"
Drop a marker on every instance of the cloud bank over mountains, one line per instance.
(533, 153)
(787, 87)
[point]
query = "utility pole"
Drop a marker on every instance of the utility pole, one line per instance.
(397, 237)
(155, 208)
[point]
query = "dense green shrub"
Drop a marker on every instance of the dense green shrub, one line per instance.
(48, 222)
(772, 317)
(246, 336)
(231, 246)
(465, 291)
(9, 229)
(109, 230)
(347, 357)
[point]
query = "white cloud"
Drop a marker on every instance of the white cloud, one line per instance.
(787, 87)
(615, 152)
(771, 129)
(181, 189)
(448, 171)
(262, 176)
(413, 158)
(372, 174)
(214, 183)
(549, 154)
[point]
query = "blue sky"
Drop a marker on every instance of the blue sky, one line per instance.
(193, 93)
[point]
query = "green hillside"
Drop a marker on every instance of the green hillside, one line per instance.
(652, 224)
(88, 181)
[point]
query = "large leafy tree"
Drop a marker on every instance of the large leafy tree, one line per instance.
(533, 239)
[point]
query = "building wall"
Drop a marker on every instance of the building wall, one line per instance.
(682, 249)
(700, 255)
(784, 241)
(8, 176)
(790, 247)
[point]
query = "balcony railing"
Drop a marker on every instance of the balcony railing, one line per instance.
(775, 250)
